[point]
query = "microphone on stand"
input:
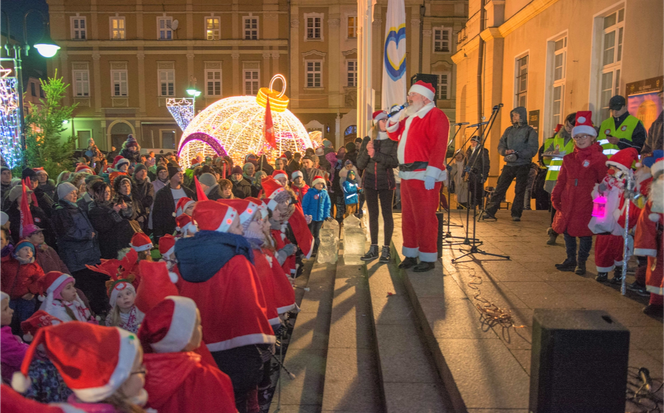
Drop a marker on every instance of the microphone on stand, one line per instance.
(478, 124)
(498, 106)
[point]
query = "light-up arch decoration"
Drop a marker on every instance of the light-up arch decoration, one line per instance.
(235, 125)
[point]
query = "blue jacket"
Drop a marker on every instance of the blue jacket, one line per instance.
(350, 192)
(317, 204)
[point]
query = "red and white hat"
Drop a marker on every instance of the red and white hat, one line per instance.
(52, 285)
(245, 208)
(167, 244)
(297, 174)
(84, 168)
(279, 174)
(116, 287)
(94, 361)
(318, 180)
(262, 206)
(40, 170)
(121, 162)
(156, 284)
(185, 223)
(141, 242)
(584, 124)
(423, 88)
(183, 204)
(38, 320)
(379, 115)
(213, 216)
(272, 188)
(624, 159)
(168, 327)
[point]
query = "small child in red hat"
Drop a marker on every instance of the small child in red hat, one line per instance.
(62, 300)
(124, 313)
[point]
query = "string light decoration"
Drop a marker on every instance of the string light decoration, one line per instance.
(316, 138)
(234, 126)
(182, 110)
(10, 122)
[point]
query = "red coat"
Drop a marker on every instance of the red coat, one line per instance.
(13, 402)
(284, 295)
(280, 241)
(17, 280)
(181, 383)
(648, 242)
(300, 192)
(571, 197)
(264, 271)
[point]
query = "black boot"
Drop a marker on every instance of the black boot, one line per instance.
(602, 277)
(424, 266)
(371, 255)
(653, 310)
(580, 268)
(617, 276)
(552, 237)
(385, 255)
(568, 265)
(408, 262)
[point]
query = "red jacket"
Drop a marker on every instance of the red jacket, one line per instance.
(572, 195)
(284, 295)
(264, 271)
(299, 192)
(17, 280)
(181, 383)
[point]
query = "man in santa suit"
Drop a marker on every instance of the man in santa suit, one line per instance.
(422, 134)
(648, 240)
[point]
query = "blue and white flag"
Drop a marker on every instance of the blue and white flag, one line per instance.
(394, 56)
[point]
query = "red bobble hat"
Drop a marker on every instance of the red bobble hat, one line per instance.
(279, 174)
(38, 320)
(155, 285)
(84, 168)
(318, 180)
(166, 244)
(185, 223)
(183, 204)
(624, 159)
(424, 89)
(213, 216)
(141, 242)
(378, 115)
(94, 361)
(272, 188)
(168, 327)
(584, 124)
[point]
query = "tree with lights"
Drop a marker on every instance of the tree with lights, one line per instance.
(44, 123)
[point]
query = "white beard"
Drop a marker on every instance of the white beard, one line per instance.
(414, 108)
(656, 194)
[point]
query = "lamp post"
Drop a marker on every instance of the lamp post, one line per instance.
(194, 94)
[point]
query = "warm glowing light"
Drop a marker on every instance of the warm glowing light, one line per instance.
(316, 138)
(182, 110)
(278, 100)
(10, 124)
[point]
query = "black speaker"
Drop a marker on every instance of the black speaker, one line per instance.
(578, 362)
(431, 79)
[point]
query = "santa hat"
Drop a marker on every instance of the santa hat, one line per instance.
(272, 188)
(116, 160)
(318, 180)
(194, 162)
(379, 115)
(93, 361)
(213, 216)
(584, 124)
(156, 284)
(166, 244)
(185, 223)
(84, 168)
(183, 204)
(52, 285)
(297, 174)
(141, 242)
(116, 287)
(38, 320)
(262, 206)
(557, 128)
(424, 89)
(168, 327)
(279, 174)
(245, 208)
(624, 159)
(40, 171)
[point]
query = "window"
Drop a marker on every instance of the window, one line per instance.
(166, 79)
(78, 28)
(164, 28)
(251, 81)
(352, 27)
(559, 69)
(521, 81)
(117, 25)
(351, 70)
(443, 86)
(212, 79)
(612, 43)
(33, 91)
(314, 25)
(81, 76)
(167, 138)
(314, 71)
(119, 79)
(250, 28)
(441, 40)
(212, 28)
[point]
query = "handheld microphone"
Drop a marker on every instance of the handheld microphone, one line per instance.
(462, 123)
(478, 124)
(498, 106)
(396, 110)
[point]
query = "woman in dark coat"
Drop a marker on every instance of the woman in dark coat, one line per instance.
(378, 158)
(114, 231)
(134, 211)
(143, 192)
(38, 215)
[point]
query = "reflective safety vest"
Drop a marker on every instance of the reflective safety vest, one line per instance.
(547, 143)
(557, 162)
(624, 132)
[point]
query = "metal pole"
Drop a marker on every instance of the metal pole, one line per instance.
(628, 195)
(18, 68)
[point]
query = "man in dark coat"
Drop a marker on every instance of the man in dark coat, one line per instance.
(210, 186)
(241, 187)
(479, 164)
(309, 171)
(45, 202)
(163, 218)
(143, 191)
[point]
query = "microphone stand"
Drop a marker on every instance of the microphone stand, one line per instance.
(474, 249)
(449, 234)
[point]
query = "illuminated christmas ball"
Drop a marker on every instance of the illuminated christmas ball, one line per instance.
(234, 126)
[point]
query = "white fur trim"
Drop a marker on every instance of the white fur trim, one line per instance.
(114, 294)
(231, 213)
(605, 269)
(296, 174)
(181, 328)
(48, 301)
(422, 90)
(285, 309)
(169, 252)
(129, 344)
(654, 217)
(252, 208)
(428, 256)
(280, 175)
(67, 408)
(438, 174)
(318, 181)
(4, 295)
(240, 341)
(588, 130)
(173, 276)
(27, 337)
(141, 248)
(617, 165)
(410, 252)
(645, 252)
(381, 115)
(272, 204)
(20, 383)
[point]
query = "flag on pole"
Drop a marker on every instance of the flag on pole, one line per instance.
(394, 56)
(26, 215)
(268, 128)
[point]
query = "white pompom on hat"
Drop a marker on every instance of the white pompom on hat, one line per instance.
(584, 124)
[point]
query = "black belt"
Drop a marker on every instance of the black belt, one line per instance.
(407, 167)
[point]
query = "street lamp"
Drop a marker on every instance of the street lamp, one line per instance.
(46, 46)
(194, 94)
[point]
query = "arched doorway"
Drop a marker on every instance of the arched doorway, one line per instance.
(350, 133)
(118, 132)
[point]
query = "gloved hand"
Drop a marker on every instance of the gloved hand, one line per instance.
(429, 182)
(289, 249)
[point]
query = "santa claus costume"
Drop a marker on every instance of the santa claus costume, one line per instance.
(179, 382)
(218, 274)
(648, 241)
(421, 152)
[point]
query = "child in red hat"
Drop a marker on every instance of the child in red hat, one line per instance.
(124, 313)
(62, 300)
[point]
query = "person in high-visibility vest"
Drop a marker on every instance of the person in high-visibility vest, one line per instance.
(621, 130)
(561, 144)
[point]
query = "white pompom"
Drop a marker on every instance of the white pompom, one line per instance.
(173, 276)
(27, 337)
(20, 383)
(41, 298)
(654, 217)
(638, 165)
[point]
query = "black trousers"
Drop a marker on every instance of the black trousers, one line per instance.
(314, 227)
(244, 367)
(373, 197)
(475, 190)
(507, 175)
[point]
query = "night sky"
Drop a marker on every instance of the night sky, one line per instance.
(16, 10)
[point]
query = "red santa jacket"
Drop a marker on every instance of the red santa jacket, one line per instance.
(571, 197)
(284, 294)
(422, 137)
(300, 192)
(648, 242)
(280, 241)
(19, 279)
(181, 383)
(264, 271)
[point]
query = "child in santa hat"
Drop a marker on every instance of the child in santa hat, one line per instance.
(62, 301)
(20, 279)
(179, 380)
(185, 205)
(281, 177)
(184, 226)
(571, 197)
(124, 313)
(142, 244)
(298, 186)
(167, 251)
(216, 266)
(103, 366)
(316, 207)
